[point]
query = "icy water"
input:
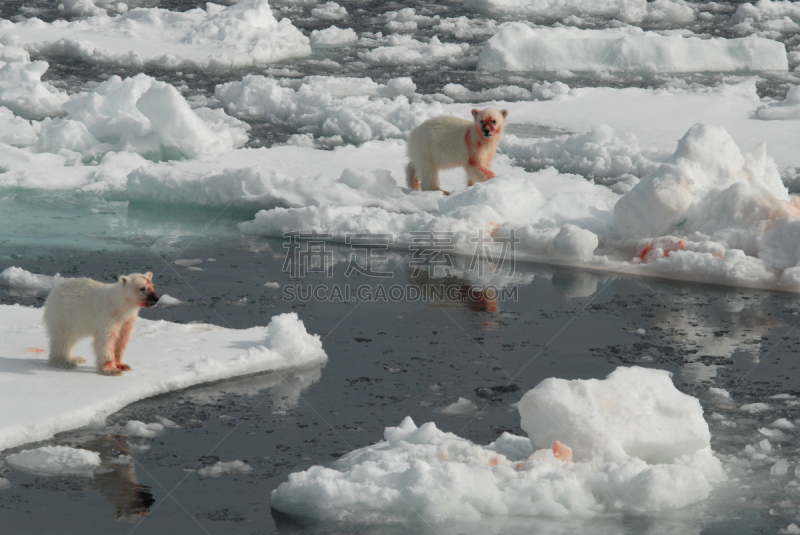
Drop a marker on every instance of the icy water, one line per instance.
(388, 360)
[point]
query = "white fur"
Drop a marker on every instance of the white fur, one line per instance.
(82, 308)
(447, 142)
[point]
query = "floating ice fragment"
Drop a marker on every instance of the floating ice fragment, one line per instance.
(56, 461)
(135, 428)
(167, 300)
(459, 408)
(779, 468)
(220, 469)
(754, 407)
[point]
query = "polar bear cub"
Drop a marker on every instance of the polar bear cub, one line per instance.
(80, 308)
(447, 142)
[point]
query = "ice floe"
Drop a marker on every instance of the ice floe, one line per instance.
(633, 431)
(518, 47)
(239, 35)
(42, 400)
(56, 461)
(140, 115)
(668, 12)
(355, 110)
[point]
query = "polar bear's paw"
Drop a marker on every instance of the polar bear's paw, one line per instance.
(110, 368)
(69, 363)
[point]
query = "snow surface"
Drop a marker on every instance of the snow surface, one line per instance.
(640, 445)
(518, 47)
(241, 35)
(42, 400)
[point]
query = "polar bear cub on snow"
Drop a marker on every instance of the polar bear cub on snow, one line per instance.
(447, 142)
(80, 308)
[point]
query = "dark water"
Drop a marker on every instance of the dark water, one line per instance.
(387, 361)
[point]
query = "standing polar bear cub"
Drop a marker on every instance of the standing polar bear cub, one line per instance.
(447, 142)
(80, 308)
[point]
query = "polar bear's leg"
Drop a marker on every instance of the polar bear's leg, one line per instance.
(122, 343)
(429, 178)
(61, 352)
(478, 173)
(104, 344)
(411, 178)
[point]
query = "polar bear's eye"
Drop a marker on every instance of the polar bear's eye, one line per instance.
(141, 289)
(494, 122)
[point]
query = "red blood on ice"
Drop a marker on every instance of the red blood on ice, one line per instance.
(678, 245)
(562, 451)
(34, 350)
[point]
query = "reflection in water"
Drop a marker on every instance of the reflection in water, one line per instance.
(284, 387)
(480, 287)
(117, 482)
(572, 283)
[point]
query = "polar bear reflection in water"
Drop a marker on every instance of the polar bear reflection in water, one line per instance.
(117, 482)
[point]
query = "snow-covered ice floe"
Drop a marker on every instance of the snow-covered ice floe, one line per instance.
(40, 400)
(56, 461)
(637, 445)
(240, 35)
(518, 47)
(708, 213)
(667, 12)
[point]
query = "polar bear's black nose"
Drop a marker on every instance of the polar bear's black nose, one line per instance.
(487, 132)
(152, 299)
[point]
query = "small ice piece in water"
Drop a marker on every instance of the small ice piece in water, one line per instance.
(186, 262)
(333, 37)
(641, 332)
(138, 448)
(754, 407)
(765, 445)
(243, 302)
(4, 483)
(272, 285)
(793, 529)
(459, 408)
(56, 461)
(776, 434)
(719, 392)
(166, 422)
(135, 428)
(167, 300)
(329, 11)
(780, 468)
(783, 423)
(222, 469)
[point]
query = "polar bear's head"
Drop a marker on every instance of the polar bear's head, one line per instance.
(490, 121)
(138, 289)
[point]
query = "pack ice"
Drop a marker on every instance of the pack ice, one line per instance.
(41, 400)
(639, 445)
(518, 47)
(239, 35)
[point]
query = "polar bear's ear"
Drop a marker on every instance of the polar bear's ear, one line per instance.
(149, 275)
(475, 112)
(123, 280)
(504, 113)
